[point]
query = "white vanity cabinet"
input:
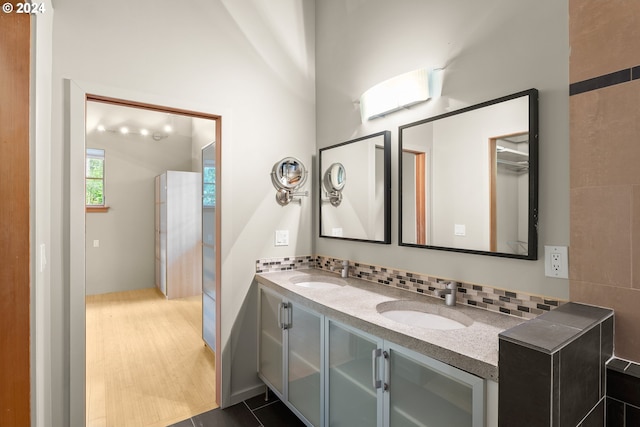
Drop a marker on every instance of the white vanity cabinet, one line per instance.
(421, 391)
(290, 354)
(373, 382)
(354, 395)
(364, 380)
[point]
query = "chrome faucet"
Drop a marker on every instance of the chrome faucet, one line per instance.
(345, 268)
(449, 293)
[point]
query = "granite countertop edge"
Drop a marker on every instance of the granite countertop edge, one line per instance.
(473, 349)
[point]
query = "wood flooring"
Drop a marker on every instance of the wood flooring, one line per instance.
(146, 362)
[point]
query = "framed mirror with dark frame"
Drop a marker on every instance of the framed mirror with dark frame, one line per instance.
(468, 179)
(355, 189)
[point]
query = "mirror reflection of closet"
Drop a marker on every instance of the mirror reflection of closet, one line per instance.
(509, 166)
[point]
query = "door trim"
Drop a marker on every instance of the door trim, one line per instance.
(17, 388)
(78, 93)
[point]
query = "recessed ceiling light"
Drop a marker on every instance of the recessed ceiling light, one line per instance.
(167, 128)
(124, 129)
(144, 132)
(101, 128)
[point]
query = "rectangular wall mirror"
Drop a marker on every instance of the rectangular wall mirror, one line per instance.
(355, 189)
(468, 179)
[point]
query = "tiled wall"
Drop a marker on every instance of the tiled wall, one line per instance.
(500, 300)
(552, 368)
(623, 394)
(605, 154)
(287, 263)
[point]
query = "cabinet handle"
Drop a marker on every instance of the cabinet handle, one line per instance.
(387, 370)
(375, 353)
(289, 309)
(280, 307)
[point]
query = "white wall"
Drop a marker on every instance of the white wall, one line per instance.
(125, 257)
(253, 63)
(203, 133)
(489, 48)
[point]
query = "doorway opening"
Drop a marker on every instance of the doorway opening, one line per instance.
(144, 300)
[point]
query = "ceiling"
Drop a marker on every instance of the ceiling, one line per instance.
(115, 117)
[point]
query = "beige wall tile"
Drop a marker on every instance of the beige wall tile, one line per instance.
(605, 130)
(601, 235)
(635, 239)
(605, 177)
(627, 313)
(604, 37)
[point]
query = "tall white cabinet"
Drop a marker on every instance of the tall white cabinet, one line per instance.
(178, 225)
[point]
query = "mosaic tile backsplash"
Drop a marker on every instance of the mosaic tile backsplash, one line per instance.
(518, 304)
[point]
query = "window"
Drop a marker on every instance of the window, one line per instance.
(209, 184)
(94, 178)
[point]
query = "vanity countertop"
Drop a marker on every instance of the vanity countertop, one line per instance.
(473, 349)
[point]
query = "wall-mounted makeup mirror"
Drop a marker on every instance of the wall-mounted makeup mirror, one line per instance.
(357, 207)
(335, 177)
(468, 179)
(287, 176)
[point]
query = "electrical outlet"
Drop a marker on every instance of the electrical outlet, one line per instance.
(556, 262)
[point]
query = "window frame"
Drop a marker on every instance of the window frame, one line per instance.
(100, 154)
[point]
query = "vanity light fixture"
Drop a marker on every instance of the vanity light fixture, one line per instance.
(400, 92)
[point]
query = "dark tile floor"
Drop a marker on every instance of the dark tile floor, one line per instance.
(255, 412)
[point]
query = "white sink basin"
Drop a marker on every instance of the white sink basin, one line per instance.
(424, 315)
(318, 282)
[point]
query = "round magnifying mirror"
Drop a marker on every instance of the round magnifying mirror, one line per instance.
(289, 173)
(335, 177)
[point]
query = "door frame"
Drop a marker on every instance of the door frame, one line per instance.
(493, 187)
(19, 380)
(78, 93)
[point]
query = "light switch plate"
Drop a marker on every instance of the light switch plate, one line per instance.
(282, 238)
(460, 230)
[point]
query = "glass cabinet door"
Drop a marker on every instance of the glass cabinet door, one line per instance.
(209, 266)
(304, 362)
(352, 399)
(271, 341)
(425, 392)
